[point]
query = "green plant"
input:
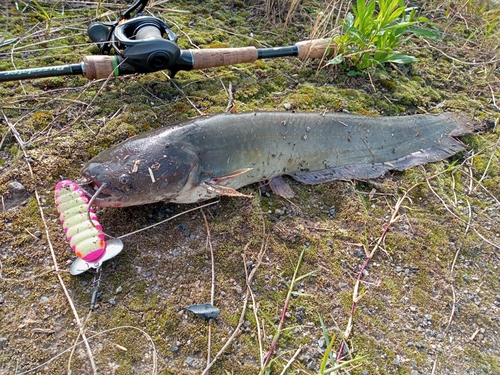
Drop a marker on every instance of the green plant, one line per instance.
(268, 360)
(372, 36)
(329, 356)
(43, 13)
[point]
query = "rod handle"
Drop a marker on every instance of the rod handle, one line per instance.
(315, 48)
(213, 57)
(100, 66)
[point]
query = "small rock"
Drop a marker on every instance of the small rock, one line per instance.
(287, 106)
(278, 212)
(246, 324)
(428, 317)
(118, 290)
(112, 301)
(305, 358)
(44, 299)
(38, 234)
(465, 277)
(16, 189)
(182, 227)
(149, 274)
(321, 342)
(3, 340)
(358, 253)
(174, 349)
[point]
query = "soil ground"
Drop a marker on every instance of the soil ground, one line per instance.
(431, 292)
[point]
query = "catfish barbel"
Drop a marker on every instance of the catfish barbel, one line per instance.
(211, 156)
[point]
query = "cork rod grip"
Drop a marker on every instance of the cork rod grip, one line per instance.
(98, 67)
(315, 49)
(210, 58)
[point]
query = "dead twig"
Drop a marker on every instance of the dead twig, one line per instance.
(183, 93)
(212, 290)
(489, 162)
(493, 98)
(230, 100)
(289, 363)
(236, 331)
(154, 370)
(284, 310)
(356, 296)
(52, 252)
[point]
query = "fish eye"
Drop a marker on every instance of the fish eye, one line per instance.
(123, 179)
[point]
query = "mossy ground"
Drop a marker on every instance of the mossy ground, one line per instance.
(402, 323)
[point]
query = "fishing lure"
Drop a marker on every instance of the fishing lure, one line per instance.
(86, 237)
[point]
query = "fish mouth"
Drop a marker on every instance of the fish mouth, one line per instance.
(98, 193)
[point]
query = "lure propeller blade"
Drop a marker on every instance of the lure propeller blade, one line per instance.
(113, 248)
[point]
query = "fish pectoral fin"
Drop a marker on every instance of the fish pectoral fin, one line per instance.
(223, 190)
(280, 187)
(234, 174)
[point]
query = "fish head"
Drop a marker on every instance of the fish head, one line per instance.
(138, 172)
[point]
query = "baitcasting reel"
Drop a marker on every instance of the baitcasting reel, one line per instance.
(147, 43)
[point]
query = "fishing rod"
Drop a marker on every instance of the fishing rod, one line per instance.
(145, 44)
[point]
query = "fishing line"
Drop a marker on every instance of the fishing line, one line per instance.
(89, 207)
(166, 220)
(98, 191)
